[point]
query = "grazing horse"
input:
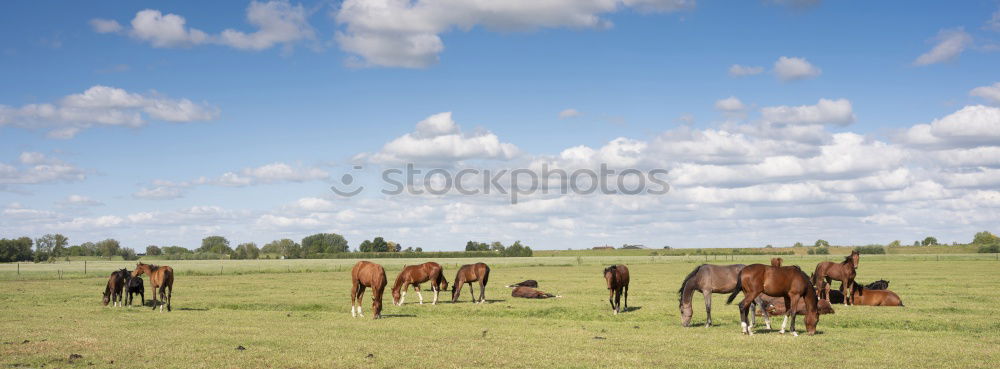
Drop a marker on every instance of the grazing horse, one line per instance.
(707, 279)
(844, 272)
(133, 285)
(113, 290)
(469, 273)
(867, 297)
(617, 278)
(371, 275)
(528, 283)
(414, 275)
(530, 293)
(790, 283)
(161, 278)
(880, 284)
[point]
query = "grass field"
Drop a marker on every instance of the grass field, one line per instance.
(295, 314)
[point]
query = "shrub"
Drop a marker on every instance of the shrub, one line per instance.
(871, 249)
(990, 249)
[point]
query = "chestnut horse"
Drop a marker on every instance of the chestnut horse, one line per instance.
(844, 272)
(867, 297)
(617, 278)
(789, 282)
(469, 273)
(371, 275)
(113, 290)
(414, 275)
(707, 279)
(160, 279)
(530, 293)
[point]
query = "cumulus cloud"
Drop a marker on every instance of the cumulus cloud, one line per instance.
(403, 33)
(159, 193)
(36, 168)
(970, 126)
(265, 174)
(438, 139)
(948, 45)
(730, 105)
(277, 23)
(737, 70)
(838, 112)
(80, 200)
(569, 113)
(988, 93)
(103, 105)
(994, 22)
(792, 69)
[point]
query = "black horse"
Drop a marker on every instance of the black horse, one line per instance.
(528, 283)
(880, 284)
(133, 285)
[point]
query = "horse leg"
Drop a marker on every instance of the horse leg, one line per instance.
(472, 292)
(611, 298)
(163, 296)
(482, 291)
(361, 298)
(142, 296)
(354, 298)
(784, 321)
(437, 290)
(744, 310)
(618, 300)
(846, 298)
(154, 295)
(708, 307)
(626, 297)
(417, 288)
(170, 293)
(794, 313)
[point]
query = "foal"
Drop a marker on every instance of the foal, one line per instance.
(844, 272)
(468, 273)
(617, 279)
(414, 275)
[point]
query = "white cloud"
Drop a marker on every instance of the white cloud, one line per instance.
(971, 126)
(403, 33)
(105, 25)
(730, 105)
(989, 93)
(438, 139)
(159, 193)
(569, 113)
(80, 200)
(791, 69)
(270, 173)
(737, 70)
(949, 44)
(825, 111)
(103, 105)
(35, 168)
(278, 22)
(994, 22)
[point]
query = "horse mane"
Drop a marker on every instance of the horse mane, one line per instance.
(847, 259)
(610, 268)
(680, 292)
(399, 279)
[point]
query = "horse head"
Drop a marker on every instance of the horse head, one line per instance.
(139, 269)
(855, 257)
(611, 275)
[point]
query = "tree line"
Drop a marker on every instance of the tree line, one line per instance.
(52, 247)
(514, 250)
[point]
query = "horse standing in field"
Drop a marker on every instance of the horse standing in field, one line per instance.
(371, 275)
(113, 290)
(617, 279)
(707, 279)
(530, 293)
(790, 283)
(133, 285)
(844, 272)
(468, 273)
(414, 275)
(867, 297)
(161, 278)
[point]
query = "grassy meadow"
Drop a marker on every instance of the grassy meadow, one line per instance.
(296, 314)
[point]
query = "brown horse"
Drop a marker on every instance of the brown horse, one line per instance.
(707, 279)
(469, 273)
(844, 272)
(770, 305)
(617, 278)
(867, 297)
(776, 262)
(414, 275)
(113, 290)
(789, 282)
(530, 293)
(161, 278)
(371, 275)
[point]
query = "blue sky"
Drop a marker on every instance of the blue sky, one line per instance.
(309, 88)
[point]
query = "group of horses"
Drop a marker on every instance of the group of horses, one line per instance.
(366, 274)
(161, 278)
(777, 289)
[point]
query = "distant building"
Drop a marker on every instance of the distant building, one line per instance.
(627, 246)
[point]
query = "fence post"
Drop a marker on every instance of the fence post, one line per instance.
(18, 268)
(84, 267)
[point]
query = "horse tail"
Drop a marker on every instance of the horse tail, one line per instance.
(680, 291)
(739, 288)
(486, 275)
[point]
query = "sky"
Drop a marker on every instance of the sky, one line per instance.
(775, 121)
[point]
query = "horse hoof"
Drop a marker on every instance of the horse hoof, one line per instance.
(795, 334)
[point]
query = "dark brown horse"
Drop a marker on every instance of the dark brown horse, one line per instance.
(468, 273)
(133, 285)
(617, 278)
(414, 275)
(113, 290)
(528, 283)
(707, 279)
(161, 278)
(844, 272)
(530, 293)
(370, 275)
(867, 297)
(790, 283)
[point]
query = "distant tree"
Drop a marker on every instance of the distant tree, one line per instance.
(324, 243)
(419, 249)
(128, 253)
(89, 249)
(821, 243)
(16, 250)
(252, 251)
(798, 244)
(366, 246)
(497, 246)
(768, 247)
(666, 247)
(379, 245)
(894, 243)
(393, 246)
(930, 241)
(408, 249)
(284, 247)
(176, 250)
(108, 248)
(985, 238)
(153, 250)
(516, 249)
(916, 243)
(476, 246)
(215, 245)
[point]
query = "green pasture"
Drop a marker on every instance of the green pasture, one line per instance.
(296, 314)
